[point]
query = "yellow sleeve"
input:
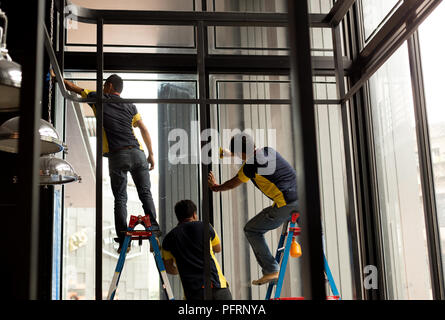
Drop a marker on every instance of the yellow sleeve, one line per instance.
(215, 240)
(166, 255)
(136, 118)
(85, 93)
(242, 176)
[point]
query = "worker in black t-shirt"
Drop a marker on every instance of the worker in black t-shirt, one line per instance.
(182, 252)
(277, 180)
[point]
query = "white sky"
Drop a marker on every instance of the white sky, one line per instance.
(432, 33)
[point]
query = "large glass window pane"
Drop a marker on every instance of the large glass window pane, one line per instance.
(232, 209)
(140, 278)
(182, 5)
(433, 69)
(132, 38)
(400, 196)
(375, 13)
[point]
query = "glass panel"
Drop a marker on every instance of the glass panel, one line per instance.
(320, 6)
(183, 5)
(433, 66)
(132, 38)
(334, 196)
(255, 87)
(264, 41)
(333, 188)
(233, 209)
(400, 193)
(248, 40)
(280, 6)
(375, 13)
(140, 278)
(248, 5)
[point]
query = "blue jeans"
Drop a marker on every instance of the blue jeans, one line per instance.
(120, 163)
(268, 219)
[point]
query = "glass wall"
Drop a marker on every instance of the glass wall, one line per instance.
(140, 278)
(399, 190)
(376, 13)
(269, 125)
(337, 240)
(433, 66)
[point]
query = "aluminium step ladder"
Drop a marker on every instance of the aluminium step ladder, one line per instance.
(288, 235)
(140, 235)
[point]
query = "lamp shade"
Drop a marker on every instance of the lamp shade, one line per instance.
(56, 171)
(49, 138)
(10, 83)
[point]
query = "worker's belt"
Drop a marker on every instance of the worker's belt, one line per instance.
(122, 148)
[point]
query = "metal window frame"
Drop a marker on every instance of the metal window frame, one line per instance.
(200, 20)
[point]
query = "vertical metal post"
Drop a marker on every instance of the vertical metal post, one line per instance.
(204, 118)
(351, 207)
(305, 142)
(61, 38)
(426, 169)
(99, 142)
(26, 275)
(61, 62)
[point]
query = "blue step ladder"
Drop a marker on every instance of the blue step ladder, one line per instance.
(287, 233)
(140, 235)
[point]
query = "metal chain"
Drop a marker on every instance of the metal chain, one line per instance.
(50, 87)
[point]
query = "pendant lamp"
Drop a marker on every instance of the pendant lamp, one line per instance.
(56, 171)
(10, 74)
(49, 138)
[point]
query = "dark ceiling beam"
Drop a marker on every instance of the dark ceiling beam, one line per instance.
(186, 63)
(399, 27)
(135, 17)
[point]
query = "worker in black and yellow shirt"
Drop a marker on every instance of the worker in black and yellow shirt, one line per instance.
(182, 252)
(276, 179)
(124, 151)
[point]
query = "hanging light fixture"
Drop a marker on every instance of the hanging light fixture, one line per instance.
(56, 171)
(49, 138)
(10, 74)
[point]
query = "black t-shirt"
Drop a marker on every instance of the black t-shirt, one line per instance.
(185, 245)
(272, 174)
(119, 119)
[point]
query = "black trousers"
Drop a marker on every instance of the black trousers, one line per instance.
(217, 294)
(120, 163)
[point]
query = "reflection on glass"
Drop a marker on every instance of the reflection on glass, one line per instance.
(433, 70)
(250, 87)
(183, 5)
(248, 40)
(400, 195)
(232, 209)
(333, 188)
(248, 5)
(132, 38)
(375, 13)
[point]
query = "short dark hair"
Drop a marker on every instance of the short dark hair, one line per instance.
(242, 142)
(116, 81)
(184, 209)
